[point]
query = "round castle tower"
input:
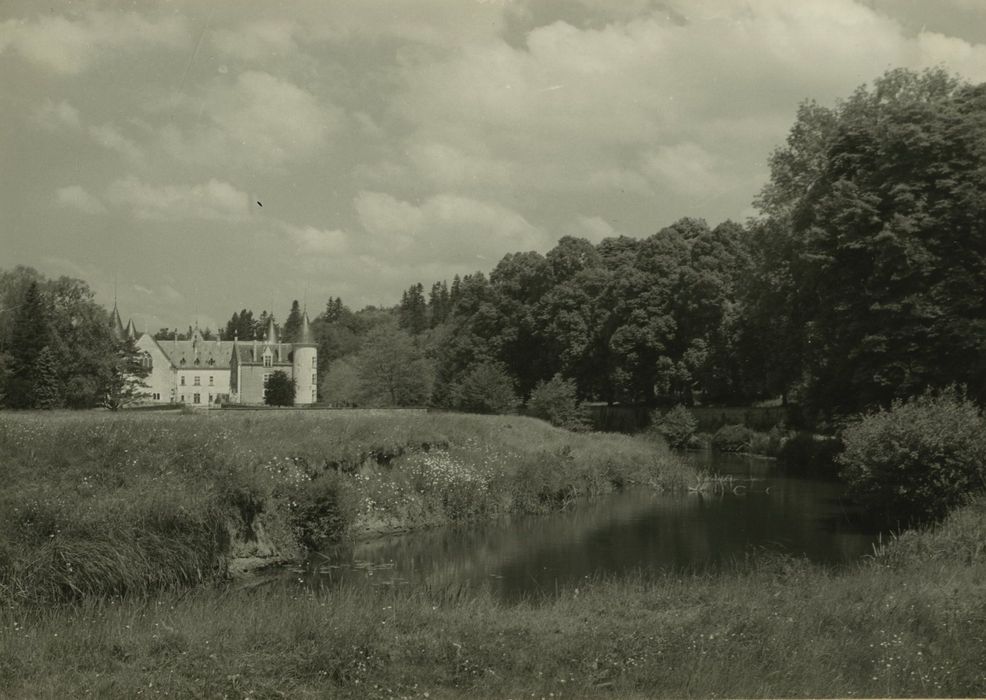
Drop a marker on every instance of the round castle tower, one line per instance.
(305, 365)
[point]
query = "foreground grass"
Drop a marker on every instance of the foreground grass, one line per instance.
(100, 504)
(908, 622)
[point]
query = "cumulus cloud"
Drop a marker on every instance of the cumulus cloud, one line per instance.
(317, 241)
(257, 120)
(108, 136)
(69, 45)
(58, 117)
(444, 227)
(76, 197)
(259, 39)
(674, 100)
(213, 200)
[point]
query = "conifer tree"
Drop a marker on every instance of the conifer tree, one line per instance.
(125, 384)
(292, 327)
(30, 335)
(46, 388)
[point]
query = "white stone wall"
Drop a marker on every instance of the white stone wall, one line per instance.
(161, 381)
(212, 382)
(304, 369)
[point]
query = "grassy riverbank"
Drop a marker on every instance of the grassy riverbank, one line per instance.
(103, 504)
(909, 622)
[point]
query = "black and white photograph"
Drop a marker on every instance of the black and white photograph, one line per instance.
(425, 349)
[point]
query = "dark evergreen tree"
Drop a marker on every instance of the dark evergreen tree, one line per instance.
(292, 326)
(412, 314)
(279, 390)
(125, 384)
(29, 335)
(439, 304)
(46, 391)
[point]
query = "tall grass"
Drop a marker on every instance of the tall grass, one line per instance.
(100, 504)
(907, 622)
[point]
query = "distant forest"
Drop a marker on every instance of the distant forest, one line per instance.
(862, 280)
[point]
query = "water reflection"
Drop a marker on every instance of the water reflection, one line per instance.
(630, 532)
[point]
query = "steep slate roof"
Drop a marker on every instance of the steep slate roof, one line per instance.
(116, 324)
(305, 337)
(131, 330)
(204, 351)
(246, 355)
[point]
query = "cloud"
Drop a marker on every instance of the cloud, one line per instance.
(444, 227)
(257, 120)
(70, 45)
(675, 102)
(109, 137)
(58, 117)
(594, 228)
(76, 197)
(312, 240)
(685, 167)
(213, 200)
(258, 39)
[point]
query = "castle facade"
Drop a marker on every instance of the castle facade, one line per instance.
(201, 372)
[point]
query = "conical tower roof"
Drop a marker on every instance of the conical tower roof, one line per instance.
(305, 336)
(131, 330)
(271, 330)
(116, 324)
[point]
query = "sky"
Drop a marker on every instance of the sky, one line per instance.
(203, 157)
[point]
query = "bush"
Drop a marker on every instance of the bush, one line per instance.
(919, 459)
(321, 510)
(556, 402)
(487, 388)
(732, 438)
(677, 426)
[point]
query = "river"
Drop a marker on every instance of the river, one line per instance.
(635, 532)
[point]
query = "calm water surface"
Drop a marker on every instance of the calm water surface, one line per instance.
(619, 534)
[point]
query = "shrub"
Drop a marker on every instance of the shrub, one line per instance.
(677, 426)
(556, 402)
(918, 459)
(768, 443)
(321, 510)
(487, 388)
(732, 438)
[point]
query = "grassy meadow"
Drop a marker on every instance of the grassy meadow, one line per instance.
(121, 504)
(109, 522)
(908, 622)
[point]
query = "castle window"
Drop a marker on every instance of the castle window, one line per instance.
(266, 378)
(268, 360)
(197, 380)
(313, 379)
(182, 360)
(198, 361)
(313, 394)
(145, 361)
(197, 398)
(182, 380)
(211, 380)
(212, 361)
(313, 363)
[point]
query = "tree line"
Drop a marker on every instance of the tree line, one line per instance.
(862, 280)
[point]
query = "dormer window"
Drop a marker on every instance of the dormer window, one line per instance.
(212, 361)
(146, 361)
(198, 361)
(268, 360)
(182, 361)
